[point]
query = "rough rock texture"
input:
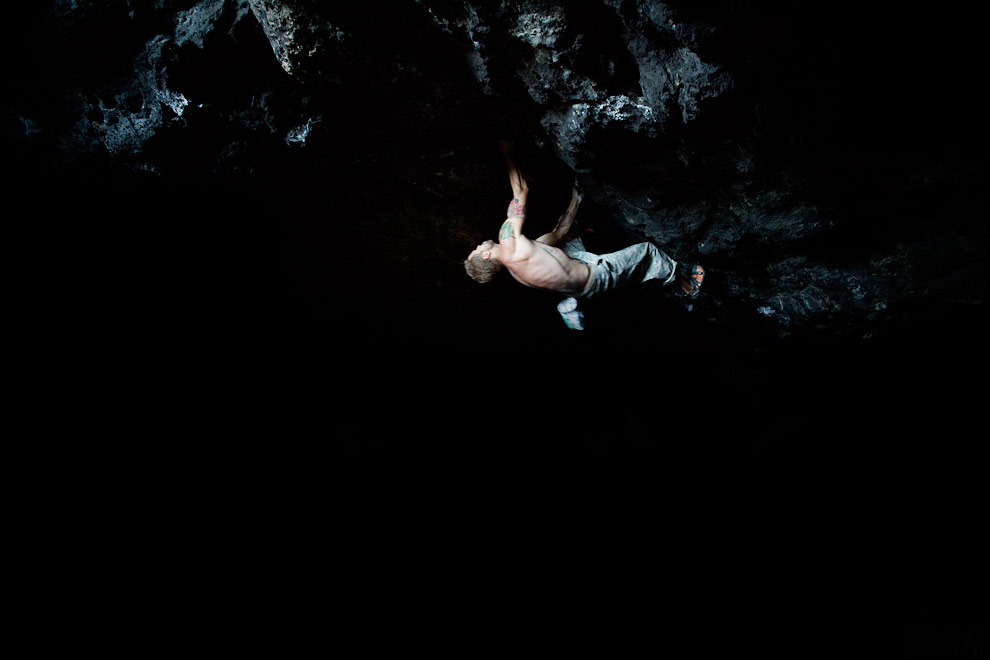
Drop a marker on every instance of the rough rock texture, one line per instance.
(714, 132)
(793, 153)
(297, 37)
(623, 89)
(589, 67)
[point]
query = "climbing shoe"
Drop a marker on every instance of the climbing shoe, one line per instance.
(694, 276)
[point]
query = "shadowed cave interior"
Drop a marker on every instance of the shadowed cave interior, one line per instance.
(265, 206)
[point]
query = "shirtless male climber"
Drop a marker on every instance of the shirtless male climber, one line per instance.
(569, 269)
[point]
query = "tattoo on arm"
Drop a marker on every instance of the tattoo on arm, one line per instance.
(507, 231)
(516, 209)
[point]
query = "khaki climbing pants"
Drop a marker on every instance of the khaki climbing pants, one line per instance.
(635, 264)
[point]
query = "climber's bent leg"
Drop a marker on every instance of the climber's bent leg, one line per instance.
(632, 265)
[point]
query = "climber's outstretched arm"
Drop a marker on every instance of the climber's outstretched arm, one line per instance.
(563, 227)
(510, 237)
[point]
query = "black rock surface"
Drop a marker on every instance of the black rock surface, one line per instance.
(823, 163)
(321, 169)
(307, 177)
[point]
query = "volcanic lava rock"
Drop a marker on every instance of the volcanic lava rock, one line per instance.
(590, 66)
(297, 36)
(789, 151)
(661, 110)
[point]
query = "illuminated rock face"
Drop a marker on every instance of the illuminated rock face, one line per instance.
(804, 158)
